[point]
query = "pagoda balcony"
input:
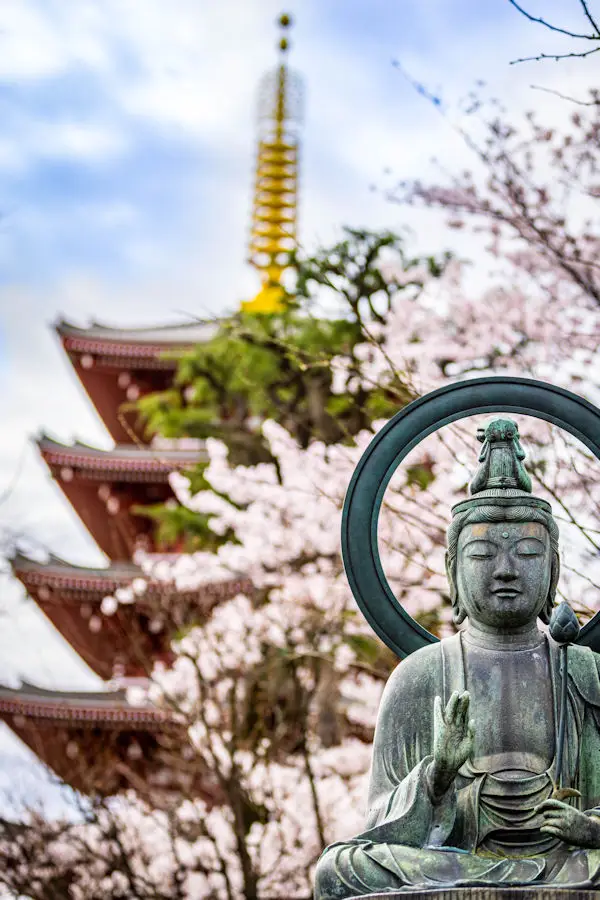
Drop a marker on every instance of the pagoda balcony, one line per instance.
(117, 366)
(136, 636)
(98, 742)
(104, 487)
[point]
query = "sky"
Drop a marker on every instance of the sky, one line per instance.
(126, 154)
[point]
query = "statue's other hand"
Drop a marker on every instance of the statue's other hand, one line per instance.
(570, 824)
(452, 741)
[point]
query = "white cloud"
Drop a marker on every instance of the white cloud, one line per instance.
(31, 47)
(74, 140)
(68, 141)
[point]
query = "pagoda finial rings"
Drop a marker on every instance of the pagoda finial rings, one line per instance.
(500, 394)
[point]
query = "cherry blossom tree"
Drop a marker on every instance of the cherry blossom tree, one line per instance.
(533, 191)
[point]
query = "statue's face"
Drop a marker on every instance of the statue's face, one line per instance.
(503, 572)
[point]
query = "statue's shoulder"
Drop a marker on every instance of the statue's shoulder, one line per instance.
(584, 671)
(417, 673)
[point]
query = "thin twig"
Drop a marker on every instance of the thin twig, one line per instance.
(589, 16)
(538, 87)
(554, 56)
(540, 21)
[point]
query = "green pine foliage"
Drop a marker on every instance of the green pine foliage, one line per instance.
(278, 366)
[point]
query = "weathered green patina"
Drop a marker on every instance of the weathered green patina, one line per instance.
(474, 781)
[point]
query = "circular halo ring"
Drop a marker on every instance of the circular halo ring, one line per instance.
(360, 551)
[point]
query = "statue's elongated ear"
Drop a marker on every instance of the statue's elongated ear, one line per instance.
(548, 606)
(458, 613)
(451, 574)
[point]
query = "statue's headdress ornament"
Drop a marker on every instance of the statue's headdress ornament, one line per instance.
(501, 479)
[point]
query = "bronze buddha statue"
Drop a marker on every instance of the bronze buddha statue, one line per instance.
(470, 784)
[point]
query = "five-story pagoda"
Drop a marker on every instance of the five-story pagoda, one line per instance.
(99, 741)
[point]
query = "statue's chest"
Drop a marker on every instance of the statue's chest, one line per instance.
(512, 706)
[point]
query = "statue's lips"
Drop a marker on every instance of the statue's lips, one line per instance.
(506, 592)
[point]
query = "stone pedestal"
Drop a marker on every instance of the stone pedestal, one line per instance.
(489, 893)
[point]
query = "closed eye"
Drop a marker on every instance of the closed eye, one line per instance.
(530, 547)
(481, 550)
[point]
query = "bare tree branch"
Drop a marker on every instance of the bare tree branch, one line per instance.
(539, 20)
(554, 56)
(589, 16)
(538, 87)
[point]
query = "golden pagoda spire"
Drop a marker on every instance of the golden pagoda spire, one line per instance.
(275, 204)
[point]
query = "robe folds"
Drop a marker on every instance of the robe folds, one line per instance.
(411, 843)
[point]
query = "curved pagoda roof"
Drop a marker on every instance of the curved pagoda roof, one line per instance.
(136, 343)
(99, 742)
(127, 461)
(116, 366)
(105, 486)
(59, 572)
(99, 708)
(128, 642)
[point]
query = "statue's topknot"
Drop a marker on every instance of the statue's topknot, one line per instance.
(501, 458)
(501, 479)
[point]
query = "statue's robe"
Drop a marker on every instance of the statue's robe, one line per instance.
(484, 830)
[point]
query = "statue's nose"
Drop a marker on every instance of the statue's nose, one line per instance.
(505, 569)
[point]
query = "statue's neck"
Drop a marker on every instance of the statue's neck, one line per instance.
(526, 638)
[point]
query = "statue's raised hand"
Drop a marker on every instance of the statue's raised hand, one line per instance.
(452, 742)
(569, 824)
